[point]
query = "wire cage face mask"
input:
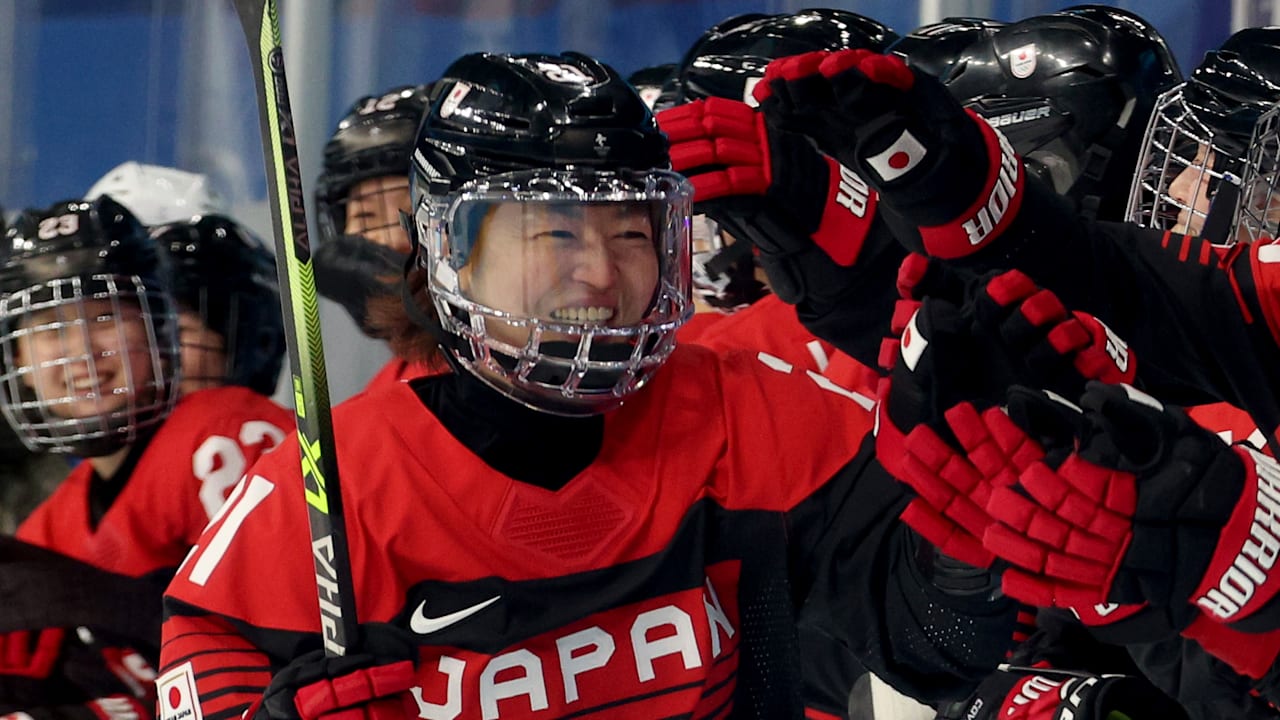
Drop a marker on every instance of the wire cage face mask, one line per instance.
(89, 364)
(564, 287)
(1258, 214)
(1185, 175)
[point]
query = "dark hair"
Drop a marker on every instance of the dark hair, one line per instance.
(390, 320)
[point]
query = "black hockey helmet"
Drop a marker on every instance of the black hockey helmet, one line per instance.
(494, 113)
(730, 58)
(375, 138)
(934, 48)
(1234, 85)
(1072, 91)
(226, 275)
(57, 266)
(79, 238)
(524, 134)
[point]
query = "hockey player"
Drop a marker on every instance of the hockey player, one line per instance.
(88, 332)
(1197, 154)
(1187, 308)
(229, 324)
(360, 194)
(581, 517)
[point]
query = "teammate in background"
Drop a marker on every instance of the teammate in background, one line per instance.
(26, 478)
(717, 144)
(361, 193)
(1202, 318)
(649, 82)
(582, 516)
(229, 323)
(88, 330)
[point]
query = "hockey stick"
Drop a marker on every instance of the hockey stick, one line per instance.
(302, 324)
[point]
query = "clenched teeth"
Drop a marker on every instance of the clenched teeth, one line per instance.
(583, 314)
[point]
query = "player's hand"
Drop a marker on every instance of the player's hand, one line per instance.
(965, 339)
(1046, 693)
(350, 270)
(809, 217)
(1148, 507)
(932, 161)
(371, 682)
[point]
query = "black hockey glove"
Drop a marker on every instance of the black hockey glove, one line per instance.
(809, 217)
(371, 682)
(961, 347)
(1146, 507)
(1046, 693)
(350, 271)
(932, 161)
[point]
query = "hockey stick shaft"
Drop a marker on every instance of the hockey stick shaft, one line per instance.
(302, 324)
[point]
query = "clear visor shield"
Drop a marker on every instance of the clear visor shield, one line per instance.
(1258, 217)
(88, 364)
(567, 286)
(1182, 174)
(371, 209)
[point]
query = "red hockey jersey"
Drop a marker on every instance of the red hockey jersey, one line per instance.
(770, 326)
(181, 479)
(627, 593)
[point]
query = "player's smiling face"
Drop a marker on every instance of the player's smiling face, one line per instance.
(564, 262)
(84, 362)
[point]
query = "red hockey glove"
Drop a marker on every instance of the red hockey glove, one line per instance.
(953, 365)
(370, 684)
(933, 162)
(1134, 513)
(808, 216)
(1045, 693)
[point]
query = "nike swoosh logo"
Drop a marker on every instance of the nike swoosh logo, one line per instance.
(423, 625)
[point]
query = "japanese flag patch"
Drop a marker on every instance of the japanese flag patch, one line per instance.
(899, 158)
(176, 695)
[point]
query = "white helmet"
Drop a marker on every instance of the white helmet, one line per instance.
(157, 195)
